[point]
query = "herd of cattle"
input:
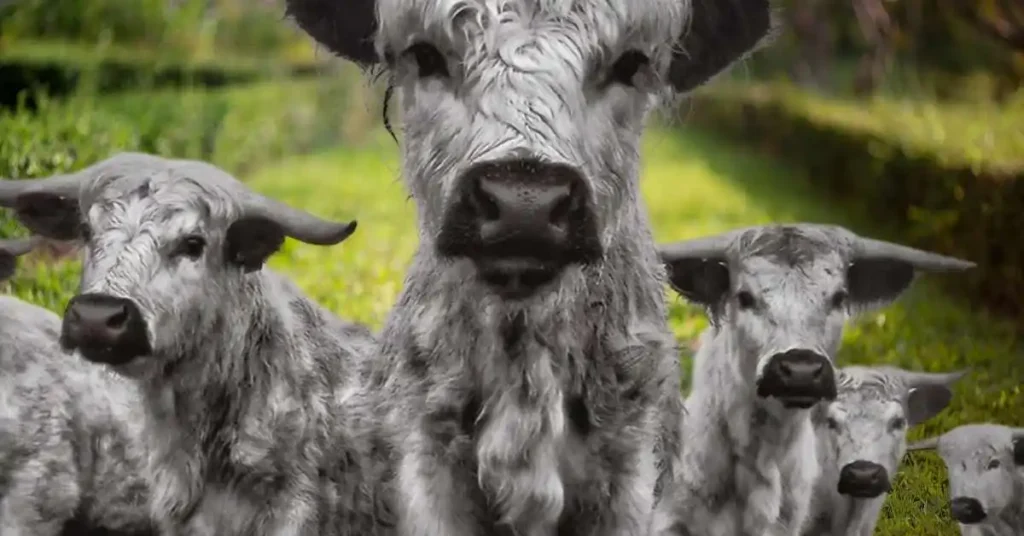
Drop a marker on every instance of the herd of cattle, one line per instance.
(525, 381)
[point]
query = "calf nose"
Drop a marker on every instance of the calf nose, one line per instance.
(967, 510)
(521, 222)
(104, 328)
(799, 378)
(863, 480)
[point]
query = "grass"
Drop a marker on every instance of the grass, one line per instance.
(693, 185)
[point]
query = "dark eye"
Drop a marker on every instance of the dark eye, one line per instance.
(839, 299)
(994, 464)
(626, 67)
(745, 300)
(191, 246)
(429, 60)
(832, 423)
(898, 423)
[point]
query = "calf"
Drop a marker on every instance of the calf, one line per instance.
(253, 394)
(862, 436)
(529, 373)
(70, 446)
(778, 297)
(985, 463)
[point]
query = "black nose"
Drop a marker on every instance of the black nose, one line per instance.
(863, 480)
(966, 510)
(104, 329)
(521, 222)
(799, 378)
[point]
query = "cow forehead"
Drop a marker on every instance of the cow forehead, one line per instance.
(966, 441)
(592, 22)
(160, 197)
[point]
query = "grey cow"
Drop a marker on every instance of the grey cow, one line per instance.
(862, 436)
(985, 463)
(527, 366)
(778, 297)
(71, 455)
(253, 394)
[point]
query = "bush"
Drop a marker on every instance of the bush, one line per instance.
(951, 179)
(237, 128)
(62, 68)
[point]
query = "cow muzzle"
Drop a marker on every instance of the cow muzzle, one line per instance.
(521, 223)
(798, 378)
(967, 511)
(104, 329)
(863, 480)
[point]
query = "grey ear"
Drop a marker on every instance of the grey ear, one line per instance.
(926, 401)
(878, 281)
(10, 250)
(251, 241)
(701, 281)
(1018, 448)
(718, 34)
(50, 215)
(345, 27)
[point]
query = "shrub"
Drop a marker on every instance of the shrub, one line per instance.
(949, 178)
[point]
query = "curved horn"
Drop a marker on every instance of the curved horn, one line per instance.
(925, 444)
(920, 259)
(704, 248)
(64, 185)
(298, 224)
(16, 247)
(933, 378)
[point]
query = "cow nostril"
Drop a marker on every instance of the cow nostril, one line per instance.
(560, 213)
(118, 319)
(485, 204)
(785, 368)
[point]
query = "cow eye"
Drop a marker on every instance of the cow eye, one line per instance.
(898, 423)
(994, 464)
(429, 60)
(191, 246)
(839, 299)
(625, 68)
(745, 300)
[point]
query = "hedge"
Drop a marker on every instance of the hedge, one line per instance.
(949, 179)
(61, 68)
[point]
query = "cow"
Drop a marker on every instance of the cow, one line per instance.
(253, 395)
(71, 454)
(528, 370)
(985, 463)
(778, 297)
(862, 436)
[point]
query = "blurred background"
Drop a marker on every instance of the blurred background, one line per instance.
(902, 119)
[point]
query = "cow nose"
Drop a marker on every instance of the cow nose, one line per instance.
(521, 222)
(799, 378)
(863, 480)
(104, 329)
(967, 510)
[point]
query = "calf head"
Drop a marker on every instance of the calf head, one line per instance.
(784, 292)
(985, 464)
(522, 118)
(865, 427)
(10, 250)
(169, 249)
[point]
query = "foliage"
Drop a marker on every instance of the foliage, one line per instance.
(237, 128)
(949, 178)
(62, 68)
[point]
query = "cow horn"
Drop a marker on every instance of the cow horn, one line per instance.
(298, 224)
(867, 248)
(924, 444)
(16, 247)
(64, 185)
(708, 247)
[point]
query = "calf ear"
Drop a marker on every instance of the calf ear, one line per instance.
(345, 27)
(1018, 448)
(926, 401)
(876, 282)
(718, 34)
(251, 241)
(50, 215)
(702, 281)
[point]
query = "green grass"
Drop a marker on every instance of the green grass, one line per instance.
(694, 185)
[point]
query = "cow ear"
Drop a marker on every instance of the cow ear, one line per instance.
(1018, 448)
(926, 401)
(718, 33)
(251, 241)
(877, 282)
(50, 215)
(345, 27)
(701, 281)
